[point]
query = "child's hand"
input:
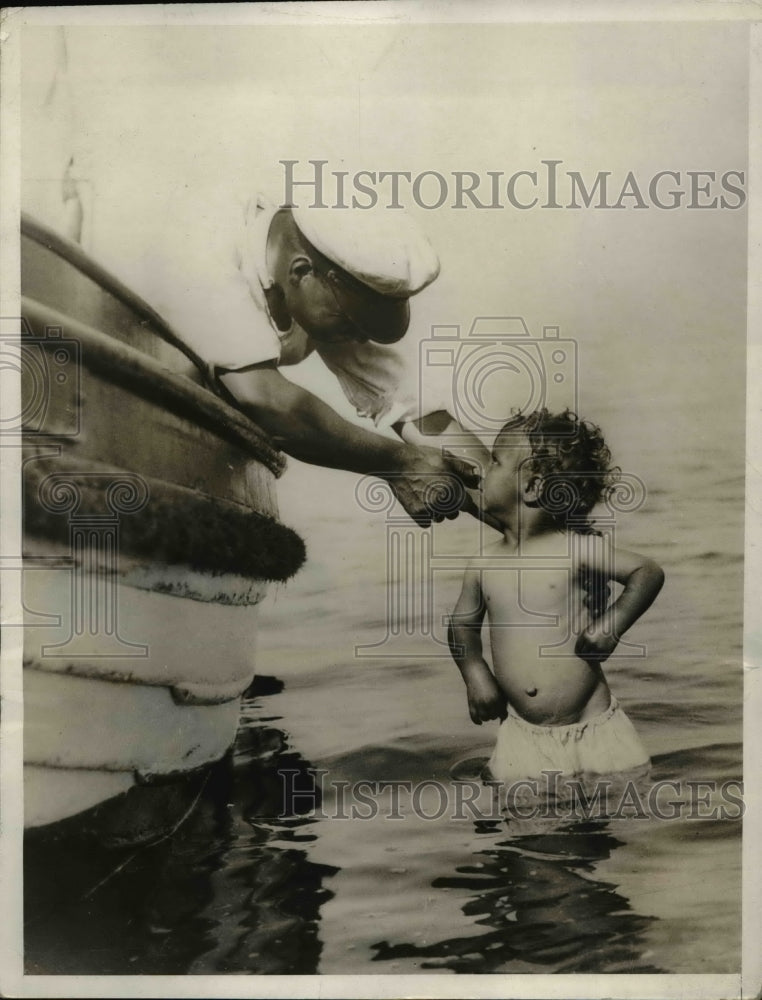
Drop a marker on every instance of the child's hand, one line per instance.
(596, 592)
(595, 645)
(485, 699)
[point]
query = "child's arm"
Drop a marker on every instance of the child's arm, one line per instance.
(642, 579)
(485, 699)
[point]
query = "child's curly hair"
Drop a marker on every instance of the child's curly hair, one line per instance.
(570, 465)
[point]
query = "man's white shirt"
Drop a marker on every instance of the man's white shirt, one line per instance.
(207, 276)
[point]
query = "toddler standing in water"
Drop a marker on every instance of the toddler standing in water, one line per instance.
(546, 682)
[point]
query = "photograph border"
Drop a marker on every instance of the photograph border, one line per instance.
(13, 983)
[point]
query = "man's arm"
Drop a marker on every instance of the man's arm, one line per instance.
(485, 699)
(642, 579)
(309, 430)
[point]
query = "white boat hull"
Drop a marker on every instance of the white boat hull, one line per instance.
(164, 703)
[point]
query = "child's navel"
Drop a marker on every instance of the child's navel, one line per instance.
(531, 691)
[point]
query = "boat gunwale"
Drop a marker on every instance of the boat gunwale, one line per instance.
(73, 254)
(127, 366)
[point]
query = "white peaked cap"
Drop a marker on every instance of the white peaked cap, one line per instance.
(384, 248)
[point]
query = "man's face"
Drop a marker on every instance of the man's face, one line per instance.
(313, 305)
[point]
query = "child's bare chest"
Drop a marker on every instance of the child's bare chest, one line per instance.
(532, 596)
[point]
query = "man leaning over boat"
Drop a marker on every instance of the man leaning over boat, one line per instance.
(336, 283)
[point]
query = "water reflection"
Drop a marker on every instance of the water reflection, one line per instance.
(541, 907)
(239, 890)
(231, 891)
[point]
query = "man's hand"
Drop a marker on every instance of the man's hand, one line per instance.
(430, 484)
(595, 645)
(485, 699)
